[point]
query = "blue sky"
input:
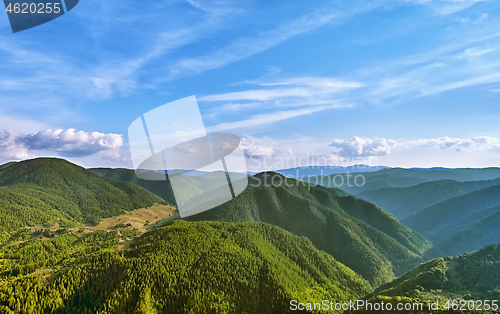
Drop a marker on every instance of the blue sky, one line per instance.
(396, 83)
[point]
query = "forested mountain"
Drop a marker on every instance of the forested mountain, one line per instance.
(45, 191)
(355, 232)
(186, 267)
(448, 223)
(474, 275)
(404, 202)
(401, 178)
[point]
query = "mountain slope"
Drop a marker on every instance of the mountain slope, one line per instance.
(474, 235)
(441, 221)
(357, 233)
(203, 267)
(404, 202)
(475, 275)
(39, 191)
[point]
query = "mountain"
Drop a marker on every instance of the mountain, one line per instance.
(400, 178)
(404, 202)
(477, 234)
(186, 267)
(189, 185)
(161, 188)
(326, 170)
(460, 216)
(355, 232)
(473, 276)
(46, 190)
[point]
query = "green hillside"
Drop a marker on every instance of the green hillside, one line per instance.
(355, 232)
(45, 191)
(440, 222)
(186, 267)
(472, 276)
(404, 202)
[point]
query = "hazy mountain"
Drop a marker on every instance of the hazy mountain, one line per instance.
(326, 170)
(401, 178)
(357, 233)
(47, 190)
(203, 267)
(404, 202)
(190, 185)
(446, 222)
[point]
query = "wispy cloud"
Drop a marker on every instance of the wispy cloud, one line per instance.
(245, 47)
(470, 60)
(266, 118)
(303, 87)
(445, 7)
(305, 94)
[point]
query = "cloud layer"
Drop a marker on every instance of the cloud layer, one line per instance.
(365, 147)
(67, 143)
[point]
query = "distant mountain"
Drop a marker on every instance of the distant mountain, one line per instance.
(190, 185)
(203, 267)
(473, 276)
(471, 214)
(355, 232)
(404, 202)
(326, 170)
(161, 188)
(48, 190)
(401, 178)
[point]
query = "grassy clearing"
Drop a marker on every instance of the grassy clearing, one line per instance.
(138, 219)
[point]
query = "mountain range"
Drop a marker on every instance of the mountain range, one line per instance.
(401, 178)
(280, 240)
(355, 232)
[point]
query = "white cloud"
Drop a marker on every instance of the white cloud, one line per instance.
(362, 147)
(259, 149)
(68, 143)
(10, 148)
(365, 147)
(479, 143)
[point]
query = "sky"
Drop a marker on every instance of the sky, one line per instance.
(401, 83)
